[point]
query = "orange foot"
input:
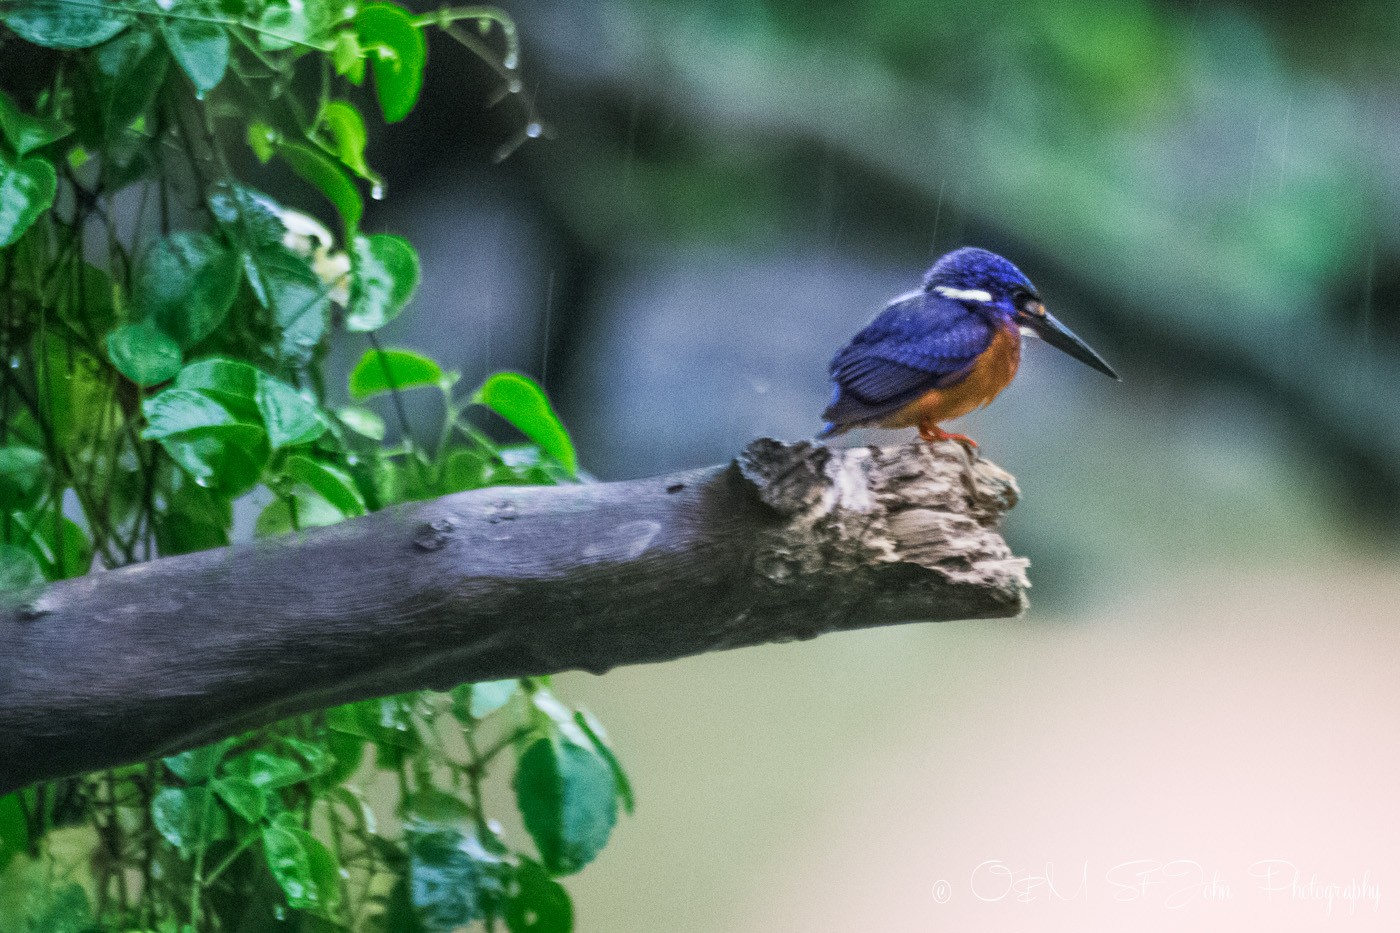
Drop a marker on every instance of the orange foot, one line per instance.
(933, 433)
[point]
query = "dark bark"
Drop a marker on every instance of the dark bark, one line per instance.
(786, 542)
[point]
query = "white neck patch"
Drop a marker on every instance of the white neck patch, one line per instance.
(963, 294)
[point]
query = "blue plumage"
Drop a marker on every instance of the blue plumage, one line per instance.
(921, 342)
(940, 352)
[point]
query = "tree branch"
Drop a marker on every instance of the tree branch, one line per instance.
(786, 542)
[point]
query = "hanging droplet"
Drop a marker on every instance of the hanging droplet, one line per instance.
(514, 86)
(202, 481)
(376, 191)
(512, 60)
(533, 130)
(279, 912)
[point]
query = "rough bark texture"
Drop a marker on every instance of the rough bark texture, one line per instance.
(786, 542)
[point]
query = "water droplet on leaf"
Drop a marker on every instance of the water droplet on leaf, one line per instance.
(534, 130)
(511, 61)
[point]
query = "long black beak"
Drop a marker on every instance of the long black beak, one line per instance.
(1047, 328)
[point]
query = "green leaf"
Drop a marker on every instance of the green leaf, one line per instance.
(290, 419)
(200, 48)
(188, 817)
(384, 274)
(348, 57)
(194, 518)
(538, 903)
(27, 133)
(176, 411)
(477, 701)
(387, 32)
(465, 469)
(388, 370)
(568, 800)
(262, 139)
(143, 354)
(63, 25)
(332, 483)
(520, 400)
(362, 421)
(231, 383)
(594, 730)
(312, 511)
(433, 809)
(62, 554)
(249, 217)
(348, 136)
(24, 475)
(74, 386)
(14, 829)
(316, 168)
(266, 770)
(300, 302)
(185, 285)
(123, 76)
(490, 695)
(304, 867)
(284, 23)
(27, 189)
(226, 455)
(18, 570)
(318, 760)
(453, 879)
(198, 764)
(243, 797)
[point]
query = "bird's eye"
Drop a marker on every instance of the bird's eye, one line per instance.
(1030, 303)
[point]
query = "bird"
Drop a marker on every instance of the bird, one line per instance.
(943, 350)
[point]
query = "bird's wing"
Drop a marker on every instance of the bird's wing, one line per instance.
(918, 343)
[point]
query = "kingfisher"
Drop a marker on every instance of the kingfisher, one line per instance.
(944, 350)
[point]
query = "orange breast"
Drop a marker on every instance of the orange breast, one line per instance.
(992, 372)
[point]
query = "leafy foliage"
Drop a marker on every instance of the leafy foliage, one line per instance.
(162, 369)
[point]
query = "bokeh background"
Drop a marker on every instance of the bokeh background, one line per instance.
(700, 201)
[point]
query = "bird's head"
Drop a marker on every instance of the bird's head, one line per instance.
(987, 281)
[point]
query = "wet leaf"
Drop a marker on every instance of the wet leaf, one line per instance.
(26, 133)
(332, 483)
(384, 274)
(520, 400)
(18, 570)
(452, 878)
(24, 475)
(568, 800)
(188, 817)
(538, 903)
(143, 353)
(386, 32)
(27, 189)
(200, 48)
(243, 797)
(303, 866)
(385, 371)
(61, 25)
(290, 418)
(316, 168)
(185, 285)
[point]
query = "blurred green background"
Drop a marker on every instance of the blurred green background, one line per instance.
(720, 194)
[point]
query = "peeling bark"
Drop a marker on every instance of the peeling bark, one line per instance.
(787, 542)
